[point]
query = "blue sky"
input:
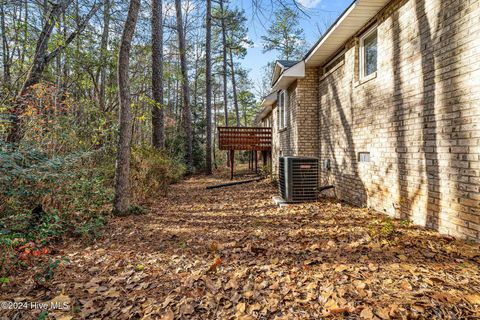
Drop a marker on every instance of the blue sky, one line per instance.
(321, 13)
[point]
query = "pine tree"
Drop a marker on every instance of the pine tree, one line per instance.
(285, 35)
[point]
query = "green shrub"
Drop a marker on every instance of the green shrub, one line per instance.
(382, 229)
(75, 191)
(90, 229)
(28, 177)
(151, 173)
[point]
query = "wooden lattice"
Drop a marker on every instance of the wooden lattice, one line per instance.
(245, 138)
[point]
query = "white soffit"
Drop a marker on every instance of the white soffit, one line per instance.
(293, 73)
(269, 100)
(354, 18)
(277, 71)
(265, 112)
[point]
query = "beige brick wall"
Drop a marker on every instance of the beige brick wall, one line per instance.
(300, 137)
(419, 118)
(284, 139)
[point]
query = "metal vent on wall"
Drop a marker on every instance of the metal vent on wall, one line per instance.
(298, 179)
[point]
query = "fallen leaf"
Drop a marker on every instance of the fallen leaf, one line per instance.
(405, 285)
(241, 307)
(473, 298)
(340, 310)
(366, 313)
(418, 308)
(61, 299)
(169, 315)
(382, 313)
(213, 246)
(215, 265)
(359, 284)
(186, 309)
(341, 268)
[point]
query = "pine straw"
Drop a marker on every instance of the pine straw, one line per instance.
(231, 254)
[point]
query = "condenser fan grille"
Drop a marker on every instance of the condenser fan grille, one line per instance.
(281, 175)
(298, 179)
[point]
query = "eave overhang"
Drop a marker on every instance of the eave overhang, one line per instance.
(357, 15)
(288, 76)
(269, 100)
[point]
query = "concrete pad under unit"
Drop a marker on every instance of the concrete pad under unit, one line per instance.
(277, 200)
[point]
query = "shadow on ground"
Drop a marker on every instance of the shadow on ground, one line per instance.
(230, 253)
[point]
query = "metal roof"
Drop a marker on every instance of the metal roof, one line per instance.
(287, 63)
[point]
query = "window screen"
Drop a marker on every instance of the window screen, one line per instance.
(364, 157)
(335, 62)
(281, 103)
(370, 53)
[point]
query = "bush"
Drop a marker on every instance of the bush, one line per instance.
(152, 171)
(71, 192)
(79, 181)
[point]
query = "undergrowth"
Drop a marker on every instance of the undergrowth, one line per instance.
(45, 198)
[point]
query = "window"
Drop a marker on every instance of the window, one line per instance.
(339, 58)
(368, 53)
(282, 107)
(364, 157)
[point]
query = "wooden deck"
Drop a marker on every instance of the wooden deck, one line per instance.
(245, 138)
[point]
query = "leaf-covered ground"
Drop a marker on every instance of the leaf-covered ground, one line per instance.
(231, 254)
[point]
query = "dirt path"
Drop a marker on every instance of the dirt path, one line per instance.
(230, 254)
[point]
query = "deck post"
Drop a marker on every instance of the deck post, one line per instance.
(232, 159)
(250, 139)
(251, 160)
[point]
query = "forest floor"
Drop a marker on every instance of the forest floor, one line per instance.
(231, 254)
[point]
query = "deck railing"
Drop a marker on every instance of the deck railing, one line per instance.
(245, 138)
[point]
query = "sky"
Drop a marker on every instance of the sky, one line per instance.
(321, 14)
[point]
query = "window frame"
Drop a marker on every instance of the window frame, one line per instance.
(332, 61)
(364, 157)
(282, 107)
(362, 57)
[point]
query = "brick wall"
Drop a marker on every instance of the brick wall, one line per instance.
(275, 140)
(307, 117)
(419, 118)
(300, 137)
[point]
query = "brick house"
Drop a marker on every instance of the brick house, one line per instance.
(389, 101)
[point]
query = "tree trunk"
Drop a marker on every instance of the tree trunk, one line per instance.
(224, 69)
(104, 54)
(121, 202)
(25, 32)
(208, 88)
(234, 87)
(5, 48)
(41, 59)
(224, 58)
(38, 65)
(215, 123)
(186, 113)
(158, 126)
(66, 63)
